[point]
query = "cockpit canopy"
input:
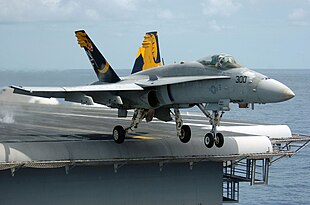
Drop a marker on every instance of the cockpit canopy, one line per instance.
(220, 61)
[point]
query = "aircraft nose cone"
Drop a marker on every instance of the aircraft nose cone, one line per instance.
(271, 91)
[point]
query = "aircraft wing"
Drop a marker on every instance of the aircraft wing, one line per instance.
(59, 92)
(174, 80)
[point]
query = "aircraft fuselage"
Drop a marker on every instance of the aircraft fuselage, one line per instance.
(243, 86)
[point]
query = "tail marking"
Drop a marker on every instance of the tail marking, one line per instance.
(148, 54)
(83, 41)
(103, 69)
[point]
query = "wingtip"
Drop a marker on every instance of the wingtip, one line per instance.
(19, 89)
(15, 87)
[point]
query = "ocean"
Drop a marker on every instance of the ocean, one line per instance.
(289, 179)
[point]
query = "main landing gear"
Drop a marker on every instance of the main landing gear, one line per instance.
(119, 132)
(213, 137)
(183, 131)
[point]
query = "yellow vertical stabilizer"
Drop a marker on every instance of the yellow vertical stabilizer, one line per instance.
(148, 55)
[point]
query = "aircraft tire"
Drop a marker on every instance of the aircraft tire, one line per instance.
(185, 134)
(209, 140)
(219, 140)
(119, 134)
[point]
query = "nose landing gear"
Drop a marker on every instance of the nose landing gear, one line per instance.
(213, 137)
(219, 140)
(209, 140)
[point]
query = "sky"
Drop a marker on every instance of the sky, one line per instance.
(269, 34)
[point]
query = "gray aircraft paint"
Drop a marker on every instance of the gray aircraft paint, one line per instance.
(211, 83)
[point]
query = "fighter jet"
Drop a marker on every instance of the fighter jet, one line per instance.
(154, 90)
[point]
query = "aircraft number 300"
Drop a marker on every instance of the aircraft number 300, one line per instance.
(241, 79)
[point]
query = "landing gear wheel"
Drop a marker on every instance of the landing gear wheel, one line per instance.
(185, 135)
(119, 134)
(219, 140)
(209, 140)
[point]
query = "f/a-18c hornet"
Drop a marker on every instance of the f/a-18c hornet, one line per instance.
(156, 90)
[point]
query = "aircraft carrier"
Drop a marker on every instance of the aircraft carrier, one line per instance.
(65, 154)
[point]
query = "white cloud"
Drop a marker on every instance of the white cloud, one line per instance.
(298, 17)
(220, 7)
(92, 14)
(36, 10)
(129, 5)
(214, 26)
(165, 14)
(63, 10)
(297, 14)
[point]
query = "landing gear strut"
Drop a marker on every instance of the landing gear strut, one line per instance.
(213, 137)
(119, 132)
(183, 131)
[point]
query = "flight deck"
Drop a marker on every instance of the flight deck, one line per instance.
(80, 127)
(76, 141)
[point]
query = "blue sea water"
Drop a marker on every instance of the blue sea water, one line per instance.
(289, 181)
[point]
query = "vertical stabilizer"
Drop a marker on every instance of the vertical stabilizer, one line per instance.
(103, 69)
(148, 54)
